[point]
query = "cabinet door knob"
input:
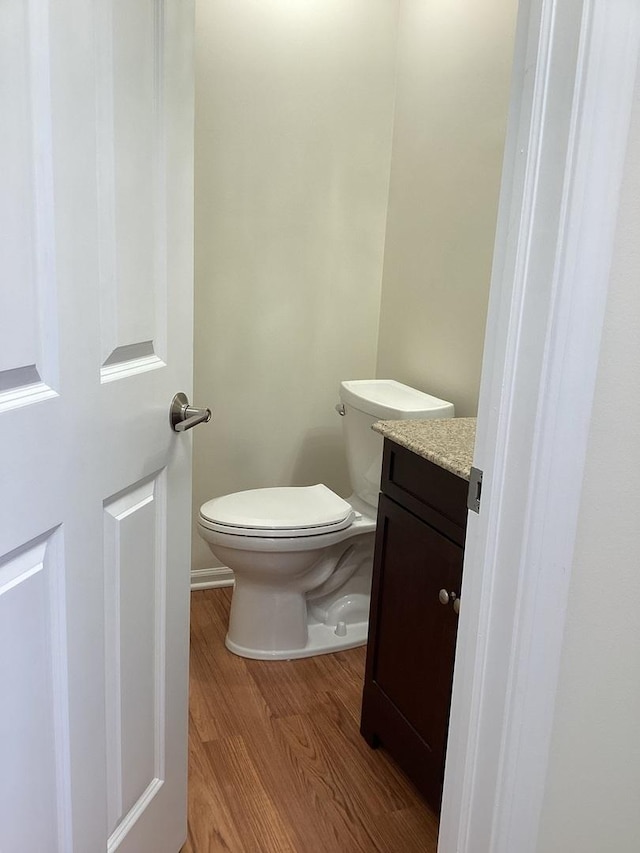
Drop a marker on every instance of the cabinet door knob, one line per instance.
(456, 605)
(443, 596)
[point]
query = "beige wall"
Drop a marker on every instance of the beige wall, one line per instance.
(593, 785)
(294, 108)
(294, 125)
(454, 68)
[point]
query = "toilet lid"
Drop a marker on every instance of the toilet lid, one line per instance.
(296, 510)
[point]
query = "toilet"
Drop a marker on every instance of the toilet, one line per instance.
(302, 556)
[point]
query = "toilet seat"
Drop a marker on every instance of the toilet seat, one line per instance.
(283, 512)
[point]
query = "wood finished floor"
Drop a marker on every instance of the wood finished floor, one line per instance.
(277, 763)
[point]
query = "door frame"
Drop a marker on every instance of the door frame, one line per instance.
(563, 167)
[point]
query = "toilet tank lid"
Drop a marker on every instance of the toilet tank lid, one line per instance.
(390, 400)
(291, 507)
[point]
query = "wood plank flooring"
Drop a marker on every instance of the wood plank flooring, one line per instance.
(277, 763)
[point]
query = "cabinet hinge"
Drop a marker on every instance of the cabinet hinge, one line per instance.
(475, 490)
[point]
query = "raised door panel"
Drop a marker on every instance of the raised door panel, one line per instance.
(33, 711)
(28, 332)
(131, 184)
(134, 526)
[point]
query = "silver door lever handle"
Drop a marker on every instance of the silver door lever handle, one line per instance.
(182, 416)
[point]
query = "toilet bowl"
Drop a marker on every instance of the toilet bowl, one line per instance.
(302, 556)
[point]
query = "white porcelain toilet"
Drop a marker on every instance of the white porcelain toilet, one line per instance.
(302, 555)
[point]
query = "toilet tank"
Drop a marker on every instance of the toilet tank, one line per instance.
(366, 401)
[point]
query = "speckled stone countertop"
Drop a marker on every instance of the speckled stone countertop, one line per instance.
(446, 441)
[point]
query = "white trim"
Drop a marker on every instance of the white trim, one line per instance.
(119, 834)
(573, 86)
(211, 578)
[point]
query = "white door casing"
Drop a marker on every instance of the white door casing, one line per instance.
(95, 338)
(574, 74)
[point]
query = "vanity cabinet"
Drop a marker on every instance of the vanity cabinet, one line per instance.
(413, 621)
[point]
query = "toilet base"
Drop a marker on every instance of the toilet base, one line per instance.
(322, 640)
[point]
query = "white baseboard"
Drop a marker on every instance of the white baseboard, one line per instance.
(210, 578)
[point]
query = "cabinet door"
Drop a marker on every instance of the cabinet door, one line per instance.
(411, 651)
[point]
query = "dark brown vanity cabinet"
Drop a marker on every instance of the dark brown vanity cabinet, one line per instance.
(413, 621)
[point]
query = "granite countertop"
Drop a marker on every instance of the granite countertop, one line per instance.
(447, 442)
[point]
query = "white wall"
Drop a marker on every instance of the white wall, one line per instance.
(454, 67)
(294, 109)
(593, 784)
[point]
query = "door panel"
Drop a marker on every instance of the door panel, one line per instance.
(415, 632)
(27, 301)
(134, 576)
(34, 689)
(131, 170)
(95, 339)
(412, 639)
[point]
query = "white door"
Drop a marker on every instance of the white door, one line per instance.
(96, 104)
